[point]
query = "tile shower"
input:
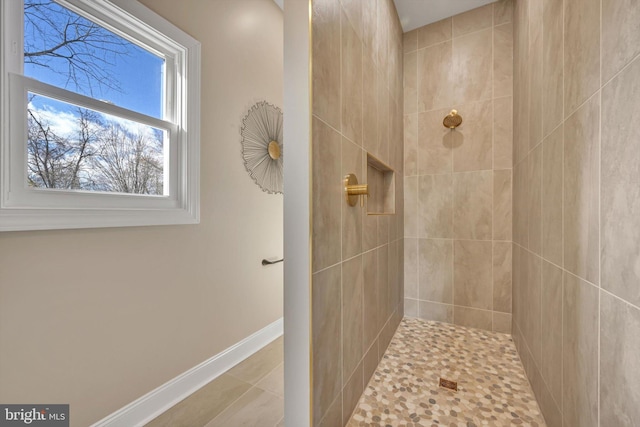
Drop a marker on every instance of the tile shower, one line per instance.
(523, 221)
(458, 182)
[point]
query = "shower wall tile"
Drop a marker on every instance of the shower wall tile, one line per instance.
(580, 352)
(371, 312)
(435, 33)
(501, 323)
(535, 73)
(503, 60)
(326, 336)
(410, 307)
(620, 35)
(351, 218)
(435, 204)
(551, 330)
(474, 149)
(534, 201)
(411, 206)
(472, 205)
(411, 82)
(352, 314)
(351, 82)
(410, 144)
(502, 263)
(620, 222)
(502, 205)
(327, 198)
(619, 362)
(473, 318)
(411, 268)
(410, 41)
(581, 194)
(581, 52)
(326, 61)
(472, 274)
(464, 182)
(552, 153)
(502, 12)
(552, 71)
(435, 81)
(472, 67)
(370, 106)
(503, 133)
(532, 282)
(435, 143)
(435, 311)
(473, 20)
(358, 101)
(435, 266)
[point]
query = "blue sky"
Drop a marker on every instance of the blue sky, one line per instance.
(139, 72)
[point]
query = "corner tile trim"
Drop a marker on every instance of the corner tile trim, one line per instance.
(156, 402)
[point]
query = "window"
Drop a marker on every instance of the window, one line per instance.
(100, 116)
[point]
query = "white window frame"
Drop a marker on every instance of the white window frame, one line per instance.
(26, 208)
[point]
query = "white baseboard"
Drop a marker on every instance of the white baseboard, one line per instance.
(154, 403)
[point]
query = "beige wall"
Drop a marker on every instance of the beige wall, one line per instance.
(357, 258)
(577, 208)
(458, 183)
(97, 318)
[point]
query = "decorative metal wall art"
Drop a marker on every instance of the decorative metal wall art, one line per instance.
(262, 146)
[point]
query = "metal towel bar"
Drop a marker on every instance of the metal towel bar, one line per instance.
(267, 262)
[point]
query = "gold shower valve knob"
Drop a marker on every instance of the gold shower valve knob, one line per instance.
(353, 190)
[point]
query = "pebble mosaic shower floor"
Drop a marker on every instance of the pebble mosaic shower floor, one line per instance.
(404, 390)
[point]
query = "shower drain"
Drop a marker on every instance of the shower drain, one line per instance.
(448, 384)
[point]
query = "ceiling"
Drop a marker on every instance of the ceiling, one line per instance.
(416, 13)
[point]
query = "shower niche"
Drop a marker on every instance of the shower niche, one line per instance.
(382, 187)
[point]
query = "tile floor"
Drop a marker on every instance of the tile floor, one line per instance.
(250, 394)
(492, 387)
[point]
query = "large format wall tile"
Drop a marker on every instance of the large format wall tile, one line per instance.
(472, 205)
(472, 67)
(410, 144)
(552, 89)
(370, 286)
(580, 352)
(435, 267)
(351, 217)
(435, 204)
(435, 150)
(535, 73)
(551, 330)
(474, 147)
(474, 20)
(581, 189)
(411, 268)
(503, 60)
(472, 317)
(435, 33)
(370, 106)
(327, 320)
(552, 153)
(411, 206)
(502, 263)
(581, 52)
(326, 61)
(352, 314)
(503, 133)
(351, 83)
(410, 83)
(435, 311)
(619, 362)
(434, 76)
(502, 205)
(502, 12)
(327, 196)
(534, 200)
(620, 35)
(620, 223)
(472, 274)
